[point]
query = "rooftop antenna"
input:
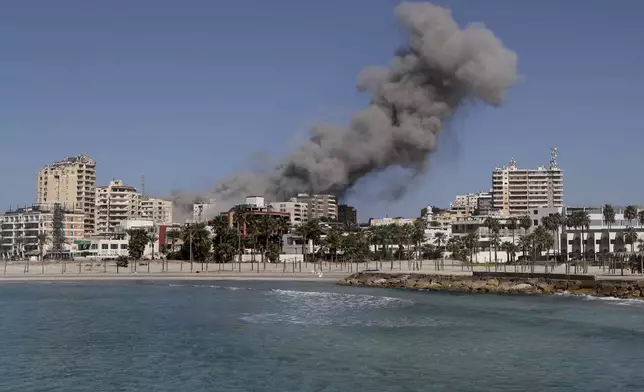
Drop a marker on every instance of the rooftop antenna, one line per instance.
(142, 184)
(553, 158)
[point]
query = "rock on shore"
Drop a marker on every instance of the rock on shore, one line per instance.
(498, 285)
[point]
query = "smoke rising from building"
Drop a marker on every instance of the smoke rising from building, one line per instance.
(440, 68)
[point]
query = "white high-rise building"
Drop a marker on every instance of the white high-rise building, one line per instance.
(70, 182)
(115, 203)
(518, 191)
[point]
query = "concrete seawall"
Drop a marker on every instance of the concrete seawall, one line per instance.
(500, 284)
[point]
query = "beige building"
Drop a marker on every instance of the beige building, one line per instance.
(319, 206)
(297, 210)
(518, 191)
(157, 210)
(115, 203)
(72, 183)
(20, 229)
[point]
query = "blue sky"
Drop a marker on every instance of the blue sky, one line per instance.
(188, 91)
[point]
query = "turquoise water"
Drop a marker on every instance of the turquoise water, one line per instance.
(276, 336)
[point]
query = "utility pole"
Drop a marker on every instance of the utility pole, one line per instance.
(190, 232)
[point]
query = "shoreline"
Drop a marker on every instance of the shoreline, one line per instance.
(164, 277)
(509, 285)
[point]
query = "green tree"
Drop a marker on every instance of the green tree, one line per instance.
(137, 241)
(333, 242)
(196, 243)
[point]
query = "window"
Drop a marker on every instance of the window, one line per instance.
(123, 246)
(536, 222)
(94, 246)
(104, 246)
(535, 212)
(114, 246)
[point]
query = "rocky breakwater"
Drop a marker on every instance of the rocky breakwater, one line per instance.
(498, 285)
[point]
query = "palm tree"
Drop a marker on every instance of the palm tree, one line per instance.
(525, 243)
(313, 233)
(608, 213)
(43, 238)
(173, 236)
(630, 213)
(439, 238)
(406, 232)
(240, 215)
(510, 250)
(582, 220)
(493, 227)
(152, 239)
(640, 217)
(282, 226)
(513, 225)
(551, 223)
(418, 236)
(471, 242)
(630, 236)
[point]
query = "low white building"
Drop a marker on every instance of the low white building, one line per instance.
(599, 237)
(390, 221)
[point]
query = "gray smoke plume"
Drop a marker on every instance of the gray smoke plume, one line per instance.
(441, 67)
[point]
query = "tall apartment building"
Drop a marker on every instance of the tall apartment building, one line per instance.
(319, 206)
(72, 183)
(157, 210)
(20, 228)
(347, 215)
(517, 191)
(115, 203)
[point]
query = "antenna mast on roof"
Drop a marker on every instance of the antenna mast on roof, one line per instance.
(142, 184)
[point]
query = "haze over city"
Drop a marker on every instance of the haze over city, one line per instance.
(188, 95)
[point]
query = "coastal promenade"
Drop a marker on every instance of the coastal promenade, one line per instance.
(176, 270)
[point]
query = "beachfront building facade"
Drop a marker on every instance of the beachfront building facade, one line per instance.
(72, 183)
(20, 229)
(115, 203)
(516, 191)
(600, 236)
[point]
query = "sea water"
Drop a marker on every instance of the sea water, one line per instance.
(277, 336)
